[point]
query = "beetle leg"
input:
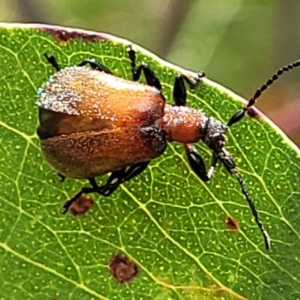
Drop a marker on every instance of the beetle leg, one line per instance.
(179, 89)
(197, 163)
(116, 178)
(61, 177)
(94, 64)
(149, 74)
(51, 60)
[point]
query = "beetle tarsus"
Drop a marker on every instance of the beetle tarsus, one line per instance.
(95, 65)
(132, 56)
(85, 190)
(52, 60)
(66, 206)
(62, 178)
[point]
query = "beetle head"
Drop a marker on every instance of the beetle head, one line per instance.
(214, 134)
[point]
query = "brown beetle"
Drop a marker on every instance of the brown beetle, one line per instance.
(93, 123)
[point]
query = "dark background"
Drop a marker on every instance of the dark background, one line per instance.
(237, 43)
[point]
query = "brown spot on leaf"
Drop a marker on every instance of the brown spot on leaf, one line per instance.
(231, 223)
(65, 35)
(253, 112)
(81, 206)
(122, 268)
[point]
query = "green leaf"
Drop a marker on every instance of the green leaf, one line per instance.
(168, 222)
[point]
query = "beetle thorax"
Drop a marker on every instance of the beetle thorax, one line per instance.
(214, 135)
(182, 124)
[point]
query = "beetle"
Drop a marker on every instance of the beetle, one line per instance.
(92, 123)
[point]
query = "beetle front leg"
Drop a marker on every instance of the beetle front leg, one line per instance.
(197, 163)
(114, 181)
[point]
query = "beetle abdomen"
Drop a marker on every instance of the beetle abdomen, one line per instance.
(86, 92)
(94, 153)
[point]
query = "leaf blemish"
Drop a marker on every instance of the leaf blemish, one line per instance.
(253, 113)
(231, 223)
(81, 206)
(65, 35)
(122, 269)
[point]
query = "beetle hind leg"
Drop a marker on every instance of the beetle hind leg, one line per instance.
(114, 181)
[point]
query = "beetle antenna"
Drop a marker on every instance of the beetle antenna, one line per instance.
(241, 113)
(253, 209)
(229, 164)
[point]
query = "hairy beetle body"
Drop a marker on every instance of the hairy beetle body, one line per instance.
(92, 123)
